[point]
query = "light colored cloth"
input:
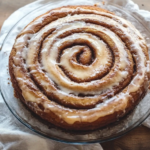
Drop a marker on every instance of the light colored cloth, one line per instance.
(14, 135)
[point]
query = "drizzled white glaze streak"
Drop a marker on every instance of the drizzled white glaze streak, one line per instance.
(50, 52)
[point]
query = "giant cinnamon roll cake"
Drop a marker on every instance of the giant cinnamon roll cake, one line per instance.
(79, 67)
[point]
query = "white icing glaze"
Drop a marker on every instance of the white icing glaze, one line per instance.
(52, 57)
(50, 54)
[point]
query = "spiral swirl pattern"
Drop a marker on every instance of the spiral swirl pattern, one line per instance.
(79, 67)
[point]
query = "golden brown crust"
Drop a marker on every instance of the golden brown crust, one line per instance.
(48, 106)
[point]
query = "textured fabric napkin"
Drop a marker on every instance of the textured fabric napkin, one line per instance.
(14, 135)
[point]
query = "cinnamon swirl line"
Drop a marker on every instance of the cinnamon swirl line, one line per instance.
(80, 67)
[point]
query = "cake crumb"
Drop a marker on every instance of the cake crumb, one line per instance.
(142, 4)
(103, 2)
(96, 4)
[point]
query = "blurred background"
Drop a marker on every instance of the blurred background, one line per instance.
(9, 6)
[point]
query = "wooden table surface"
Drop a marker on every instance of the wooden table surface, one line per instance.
(137, 139)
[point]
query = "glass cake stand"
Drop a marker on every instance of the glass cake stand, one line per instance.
(19, 110)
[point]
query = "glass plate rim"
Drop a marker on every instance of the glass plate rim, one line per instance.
(78, 142)
(136, 124)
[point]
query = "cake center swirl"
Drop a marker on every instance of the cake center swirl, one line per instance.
(85, 56)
